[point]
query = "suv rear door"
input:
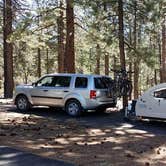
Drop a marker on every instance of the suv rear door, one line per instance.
(101, 85)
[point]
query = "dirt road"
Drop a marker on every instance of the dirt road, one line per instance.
(93, 139)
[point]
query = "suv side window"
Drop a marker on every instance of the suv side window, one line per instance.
(61, 81)
(160, 93)
(81, 82)
(46, 81)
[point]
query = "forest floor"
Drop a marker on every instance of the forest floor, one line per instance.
(91, 140)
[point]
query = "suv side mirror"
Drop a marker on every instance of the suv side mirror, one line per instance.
(34, 83)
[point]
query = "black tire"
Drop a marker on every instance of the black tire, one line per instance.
(101, 110)
(22, 103)
(114, 104)
(73, 108)
(52, 108)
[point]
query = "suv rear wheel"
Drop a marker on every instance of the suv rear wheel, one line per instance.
(73, 108)
(22, 103)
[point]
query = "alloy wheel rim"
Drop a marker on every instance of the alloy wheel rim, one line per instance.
(73, 108)
(22, 103)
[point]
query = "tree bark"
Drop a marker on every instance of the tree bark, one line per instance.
(136, 78)
(97, 59)
(61, 45)
(38, 62)
(130, 61)
(160, 57)
(136, 63)
(8, 49)
(38, 49)
(106, 54)
(114, 65)
(155, 76)
(121, 35)
(47, 60)
(69, 50)
(121, 44)
(130, 77)
(106, 64)
(163, 62)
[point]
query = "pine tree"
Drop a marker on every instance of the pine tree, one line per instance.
(61, 44)
(7, 48)
(69, 48)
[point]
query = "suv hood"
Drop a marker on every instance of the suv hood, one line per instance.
(24, 86)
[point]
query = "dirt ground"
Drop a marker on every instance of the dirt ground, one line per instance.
(92, 140)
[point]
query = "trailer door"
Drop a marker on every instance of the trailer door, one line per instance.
(159, 106)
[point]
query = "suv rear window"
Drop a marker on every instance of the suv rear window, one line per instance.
(81, 82)
(102, 82)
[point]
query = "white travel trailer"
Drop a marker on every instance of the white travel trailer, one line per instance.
(152, 104)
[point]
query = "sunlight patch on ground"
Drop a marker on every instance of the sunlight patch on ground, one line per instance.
(62, 141)
(120, 132)
(75, 139)
(117, 148)
(95, 132)
(135, 131)
(71, 154)
(125, 126)
(116, 140)
(6, 101)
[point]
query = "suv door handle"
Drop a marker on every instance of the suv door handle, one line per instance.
(45, 90)
(65, 91)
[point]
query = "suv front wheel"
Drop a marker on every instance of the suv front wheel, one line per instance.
(22, 103)
(73, 108)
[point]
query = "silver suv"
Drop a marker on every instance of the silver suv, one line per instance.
(74, 93)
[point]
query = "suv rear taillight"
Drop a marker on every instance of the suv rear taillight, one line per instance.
(92, 94)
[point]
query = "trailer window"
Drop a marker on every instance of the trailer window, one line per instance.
(160, 93)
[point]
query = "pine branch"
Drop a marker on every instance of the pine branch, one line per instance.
(129, 45)
(44, 27)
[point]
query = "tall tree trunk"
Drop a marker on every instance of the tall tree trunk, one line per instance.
(121, 35)
(130, 60)
(61, 45)
(163, 62)
(7, 49)
(39, 62)
(136, 78)
(106, 64)
(159, 53)
(97, 59)
(38, 49)
(121, 43)
(25, 77)
(114, 65)
(130, 77)
(90, 60)
(69, 50)
(155, 76)
(47, 60)
(106, 54)
(136, 63)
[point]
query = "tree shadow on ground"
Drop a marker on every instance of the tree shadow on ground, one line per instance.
(93, 139)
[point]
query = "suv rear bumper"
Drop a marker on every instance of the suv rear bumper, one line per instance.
(94, 104)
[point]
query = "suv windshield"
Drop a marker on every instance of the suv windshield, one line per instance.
(102, 82)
